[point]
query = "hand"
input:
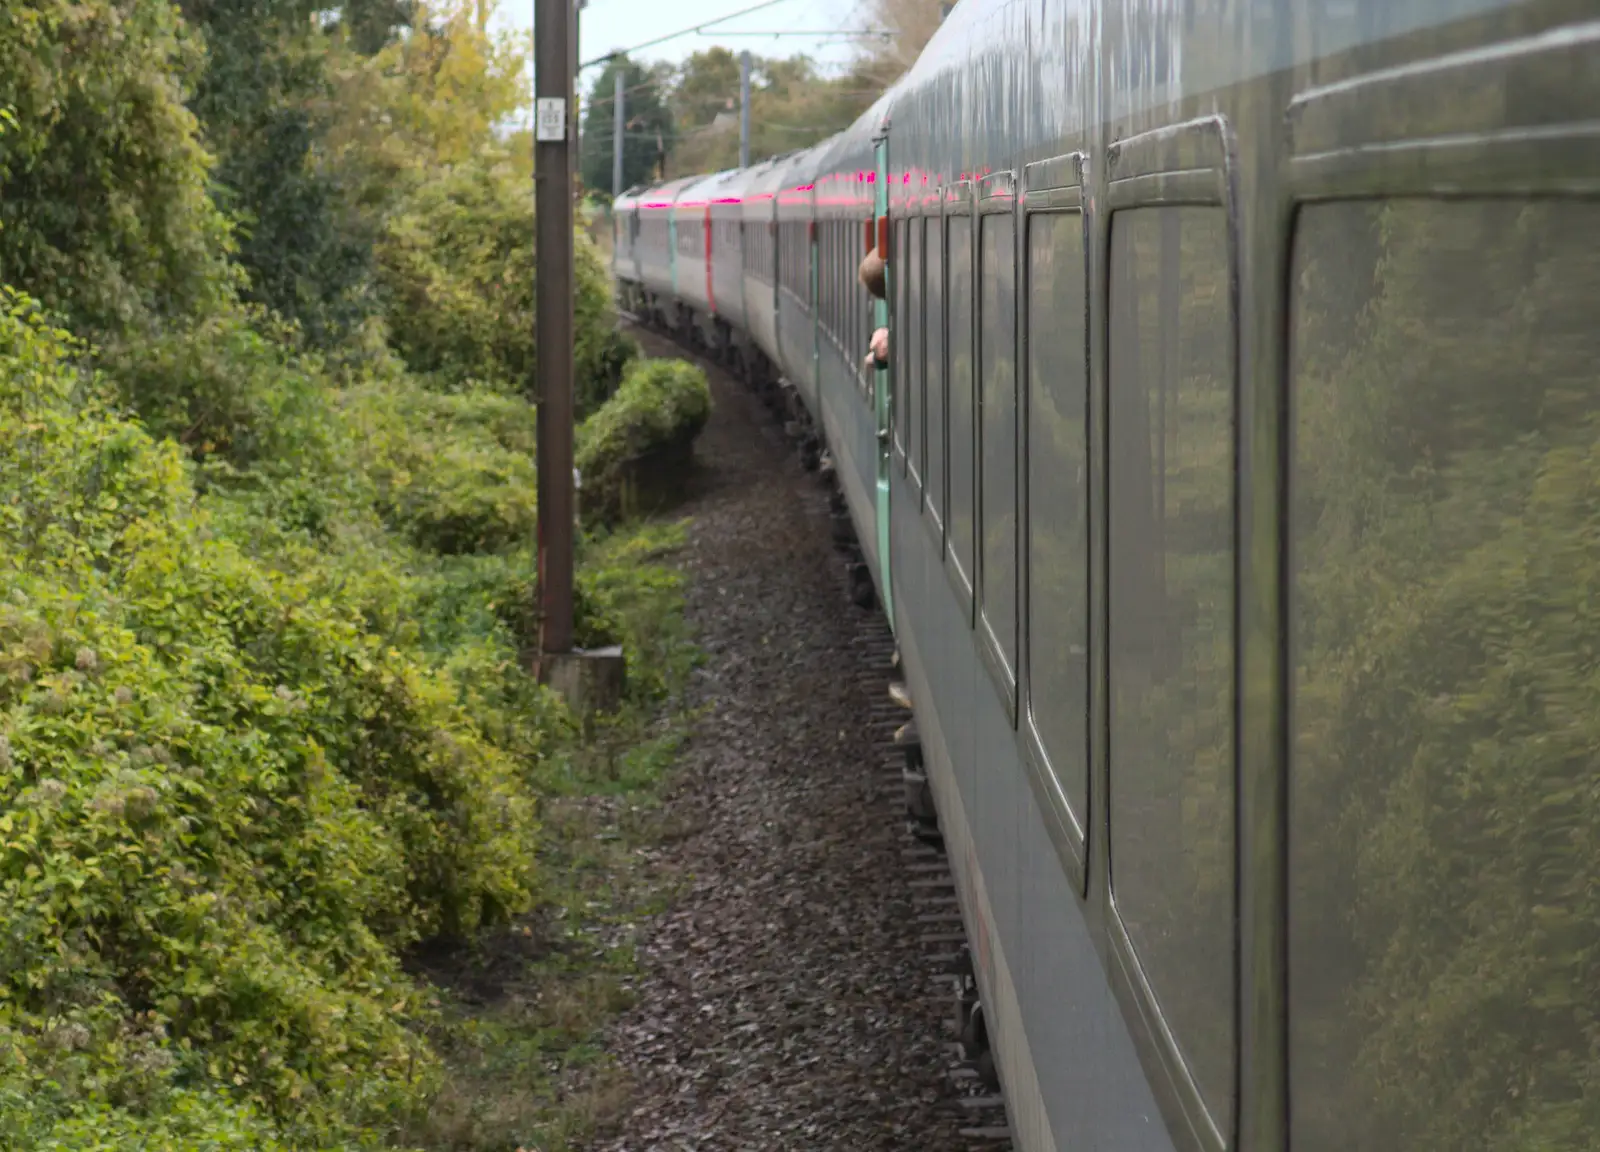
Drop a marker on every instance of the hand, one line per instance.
(880, 345)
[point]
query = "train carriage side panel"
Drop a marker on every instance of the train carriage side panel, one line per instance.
(759, 220)
(846, 184)
(657, 254)
(797, 335)
(691, 214)
(726, 210)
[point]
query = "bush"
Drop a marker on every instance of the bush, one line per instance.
(456, 270)
(455, 473)
(106, 215)
(655, 415)
(227, 803)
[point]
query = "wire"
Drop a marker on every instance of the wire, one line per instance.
(883, 32)
(674, 35)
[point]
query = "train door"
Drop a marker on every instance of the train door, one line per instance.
(880, 376)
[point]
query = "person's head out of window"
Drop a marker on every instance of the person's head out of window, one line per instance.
(871, 275)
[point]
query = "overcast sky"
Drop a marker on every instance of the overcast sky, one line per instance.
(608, 25)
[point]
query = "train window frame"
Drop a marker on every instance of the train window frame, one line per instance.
(899, 317)
(1450, 147)
(914, 357)
(958, 201)
(1056, 187)
(996, 197)
(935, 497)
(1189, 164)
(858, 317)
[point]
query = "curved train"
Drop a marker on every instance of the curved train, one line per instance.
(1233, 492)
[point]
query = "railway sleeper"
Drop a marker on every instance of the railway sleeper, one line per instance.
(862, 593)
(919, 799)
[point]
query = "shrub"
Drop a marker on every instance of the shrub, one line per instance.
(227, 804)
(655, 415)
(455, 473)
(456, 270)
(106, 215)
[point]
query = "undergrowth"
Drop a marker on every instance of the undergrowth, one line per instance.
(267, 475)
(261, 739)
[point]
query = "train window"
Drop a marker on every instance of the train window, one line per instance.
(1444, 525)
(997, 418)
(933, 391)
(824, 277)
(908, 357)
(958, 304)
(1171, 589)
(831, 278)
(1058, 502)
(898, 281)
(836, 308)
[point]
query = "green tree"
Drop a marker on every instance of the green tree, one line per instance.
(647, 134)
(791, 106)
(707, 86)
(306, 252)
(106, 215)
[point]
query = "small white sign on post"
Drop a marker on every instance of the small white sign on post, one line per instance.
(551, 126)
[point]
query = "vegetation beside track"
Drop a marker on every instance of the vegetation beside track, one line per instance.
(273, 776)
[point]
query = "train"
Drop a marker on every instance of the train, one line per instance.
(1232, 490)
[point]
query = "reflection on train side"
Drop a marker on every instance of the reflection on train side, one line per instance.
(1445, 798)
(1171, 585)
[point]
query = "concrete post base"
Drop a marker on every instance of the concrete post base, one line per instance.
(589, 682)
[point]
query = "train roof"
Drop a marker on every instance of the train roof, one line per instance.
(710, 188)
(666, 195)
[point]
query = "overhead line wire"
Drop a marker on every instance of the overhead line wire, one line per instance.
(684, 32)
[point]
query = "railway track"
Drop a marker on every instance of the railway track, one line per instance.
(959, 1105)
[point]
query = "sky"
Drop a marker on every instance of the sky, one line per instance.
(607, 25)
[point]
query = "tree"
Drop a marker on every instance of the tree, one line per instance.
(791, 106)
(306, 253)
(913, 23)
(106, 216)
(372, 24)
(707, 86)
(647, 135)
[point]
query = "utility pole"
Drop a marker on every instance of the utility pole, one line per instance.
(744, 109)
(553, 314)
(617, 122)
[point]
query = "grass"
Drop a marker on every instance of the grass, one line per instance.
(523, 1012)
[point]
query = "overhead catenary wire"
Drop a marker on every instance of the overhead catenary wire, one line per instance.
(683, 32)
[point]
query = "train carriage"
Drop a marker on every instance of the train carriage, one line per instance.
(759, 219)
(797, 257)
(1232, 492)
(625, 247)
(724, 196)
(657, 248)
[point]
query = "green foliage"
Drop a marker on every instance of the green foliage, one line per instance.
(456, 267)
(306, 252)
(265, 596)
(454, 472)
(219, 385)
(659, 409)
(106, 215)
(647, 134)
(792, 106)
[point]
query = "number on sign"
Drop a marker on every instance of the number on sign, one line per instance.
(552, 120)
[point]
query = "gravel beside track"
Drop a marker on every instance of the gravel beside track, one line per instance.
(785, 1000)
